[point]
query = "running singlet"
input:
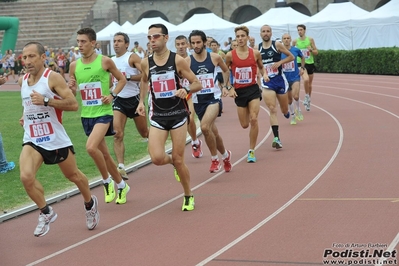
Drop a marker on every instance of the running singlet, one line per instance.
(164, 81)
(244, 70)
(269, 57)
(303, 46)
(205, 72)
(42, 124)
(131, 88)
(290, 69)
(93, 83)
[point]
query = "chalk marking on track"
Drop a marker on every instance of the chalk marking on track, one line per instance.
(360, 91)
(144, 213)
(288, 203)
(350, 199)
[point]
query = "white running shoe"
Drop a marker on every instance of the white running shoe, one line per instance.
(43, 226)
(92, 215)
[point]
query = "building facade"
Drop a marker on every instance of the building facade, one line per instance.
(237, 11)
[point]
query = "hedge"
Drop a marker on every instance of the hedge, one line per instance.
(378, 61)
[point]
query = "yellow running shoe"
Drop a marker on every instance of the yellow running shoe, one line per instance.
(299, 115)
(122, 192)
(188, 203)
(109, 191)
(176, 175)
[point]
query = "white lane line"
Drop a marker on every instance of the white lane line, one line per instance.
(396, 239)
(84, 241)
(282, 208)
(390, 249)
(360, 91)
(361, 102)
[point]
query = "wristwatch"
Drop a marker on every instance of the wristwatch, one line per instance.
(113, 95)
(46, 100)
(187, 89)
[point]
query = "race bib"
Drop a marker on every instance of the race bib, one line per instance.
(164, 85)
(270, 71)
(91, 93)
(243, 75)
(207, 82)
(306, 53)
(289, 67)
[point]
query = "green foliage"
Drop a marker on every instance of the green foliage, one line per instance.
(378, 61)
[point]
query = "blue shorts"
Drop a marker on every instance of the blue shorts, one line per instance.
(89, 123)
(200, 108)
(278, 84)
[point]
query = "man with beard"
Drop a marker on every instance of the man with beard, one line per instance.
(126, 101)
(274, 89)
(168, 114)
(244, 63)
(181, 45)
(207, 103)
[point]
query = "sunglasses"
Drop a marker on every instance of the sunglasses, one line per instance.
(155, 36)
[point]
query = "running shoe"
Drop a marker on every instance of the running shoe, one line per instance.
(176, 175)
(251, 157)
(43, 226)
(197, 152)
(299, 115)
(277, 143)
(122, 192)
(123, 173)
(92, 215)
(215, 166)
(305, 100)
(307, 106)
(109, 191)
(188, 203)
(8, 167)
(293, 119)
(227, 162)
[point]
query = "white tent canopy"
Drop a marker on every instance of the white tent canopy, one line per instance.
(126, 26)
(338, 12)
(379, 28)
(209, 23)
(144, 23)
(108, 31)
(282, 20)
(332, 28)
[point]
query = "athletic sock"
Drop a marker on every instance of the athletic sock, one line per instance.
(45, 209)
(89, 205)
(275, 131)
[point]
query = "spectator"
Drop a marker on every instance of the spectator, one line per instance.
(4, 165)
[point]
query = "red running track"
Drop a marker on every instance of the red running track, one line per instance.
(332, 188)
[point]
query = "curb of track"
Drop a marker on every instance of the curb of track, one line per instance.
(65, 195)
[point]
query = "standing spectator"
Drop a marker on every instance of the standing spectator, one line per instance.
(98, 49)
(4, 165)
(138, 50)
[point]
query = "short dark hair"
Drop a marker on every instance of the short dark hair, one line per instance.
(214, 41)
(124, 35)
(163, 28)
(301, 26)
(181, 37)
(198, 33)
(39, 46)
(89, 32)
